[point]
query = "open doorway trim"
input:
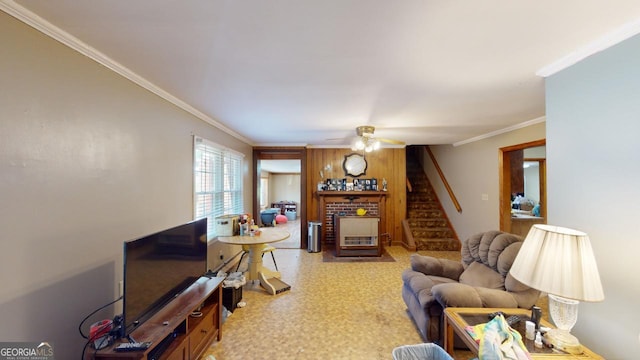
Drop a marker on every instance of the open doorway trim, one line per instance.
(282, 153)
(504, 164)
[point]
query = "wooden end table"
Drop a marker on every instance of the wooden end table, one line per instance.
(457, 319)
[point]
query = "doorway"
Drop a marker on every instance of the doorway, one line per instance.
(280, 191)
(523, 195)
(281, 183)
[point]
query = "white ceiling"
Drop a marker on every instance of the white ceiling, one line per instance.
(281, 166)
(299, 72)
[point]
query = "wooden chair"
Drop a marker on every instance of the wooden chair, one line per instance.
(265, 249)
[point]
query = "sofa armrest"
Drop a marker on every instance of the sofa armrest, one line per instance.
(493, 298)
(524, 295)
(438, 267)
(456, 295)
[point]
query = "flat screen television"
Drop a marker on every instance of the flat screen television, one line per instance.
(158, 267)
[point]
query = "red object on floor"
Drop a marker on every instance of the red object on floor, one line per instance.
(281, 219)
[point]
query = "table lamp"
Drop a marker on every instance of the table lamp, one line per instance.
(560, 262)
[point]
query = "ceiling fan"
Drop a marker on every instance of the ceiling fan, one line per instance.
(367, 142)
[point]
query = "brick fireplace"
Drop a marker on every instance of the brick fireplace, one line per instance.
(345, 203)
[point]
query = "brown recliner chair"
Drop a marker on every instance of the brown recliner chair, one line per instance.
(482, 279)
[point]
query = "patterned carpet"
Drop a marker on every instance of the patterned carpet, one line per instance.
(346, 310)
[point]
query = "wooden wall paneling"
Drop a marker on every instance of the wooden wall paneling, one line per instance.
(517, 171)
(387, 163)
(398, 201)
(313, 165)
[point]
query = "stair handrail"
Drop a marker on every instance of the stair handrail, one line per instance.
(444, 179)
(410, 242)
(409, 187)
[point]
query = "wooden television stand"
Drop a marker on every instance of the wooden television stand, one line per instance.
(175, 334)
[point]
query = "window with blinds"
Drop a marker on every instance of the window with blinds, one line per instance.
(217, 176)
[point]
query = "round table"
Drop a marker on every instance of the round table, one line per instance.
(255, 243)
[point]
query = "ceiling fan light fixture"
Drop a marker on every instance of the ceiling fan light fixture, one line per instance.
(365, 130)
(365, 141)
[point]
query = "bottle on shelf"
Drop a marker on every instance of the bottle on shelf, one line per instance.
(252, 228)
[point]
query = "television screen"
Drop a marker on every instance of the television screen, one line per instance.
(160, 266)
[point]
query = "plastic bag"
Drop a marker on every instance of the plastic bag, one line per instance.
(234, 280)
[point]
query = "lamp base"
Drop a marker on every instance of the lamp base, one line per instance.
(563, 341)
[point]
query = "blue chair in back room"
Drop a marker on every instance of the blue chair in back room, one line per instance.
(267, 217)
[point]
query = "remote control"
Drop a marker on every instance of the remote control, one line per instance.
(136, 346)
(494, 314)
(513, 319)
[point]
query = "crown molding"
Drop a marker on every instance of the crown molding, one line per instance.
(502, 131)
(35, 21)
(610, 39)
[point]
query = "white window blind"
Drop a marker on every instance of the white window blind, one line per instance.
(217, 174)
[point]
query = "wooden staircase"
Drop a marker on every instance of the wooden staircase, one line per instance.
(426, 220)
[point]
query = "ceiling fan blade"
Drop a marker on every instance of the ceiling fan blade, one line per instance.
(390, 141)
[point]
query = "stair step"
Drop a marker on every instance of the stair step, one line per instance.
(422, 205)
(431, 233)
(432, 211)
(417, 191)
(426, 220)
(437, 244)
(420, 191)
(425, 213)
(421, 199)
(419, 223)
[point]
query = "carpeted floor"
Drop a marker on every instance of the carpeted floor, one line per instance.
(346, 310)
(349, 310)
(294, 228)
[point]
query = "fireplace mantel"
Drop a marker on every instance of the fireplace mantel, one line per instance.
(373, 200)
(354, 193)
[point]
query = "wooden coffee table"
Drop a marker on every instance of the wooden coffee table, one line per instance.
(457, 319)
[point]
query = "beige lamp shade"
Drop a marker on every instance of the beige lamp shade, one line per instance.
(558, 261)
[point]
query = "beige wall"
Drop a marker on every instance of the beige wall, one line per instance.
(472, 171)
(87, 160)
(285, 187)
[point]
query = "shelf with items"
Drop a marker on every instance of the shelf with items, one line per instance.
(358, 184)
(285, 206)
